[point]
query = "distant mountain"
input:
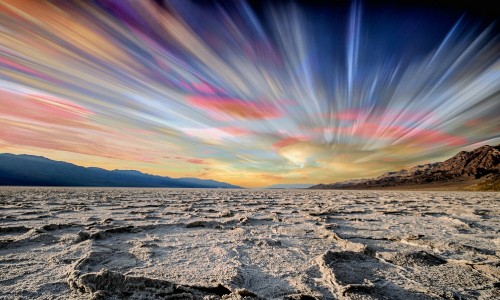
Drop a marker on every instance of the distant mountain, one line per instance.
(478, 169)
(288, 186)
(29, 170)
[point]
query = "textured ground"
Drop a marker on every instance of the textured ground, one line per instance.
(60, 243)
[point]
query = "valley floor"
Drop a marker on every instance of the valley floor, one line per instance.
(79, 243)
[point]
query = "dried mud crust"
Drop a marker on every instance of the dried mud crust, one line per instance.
(357, 275)
(247, 244)
(106, 284)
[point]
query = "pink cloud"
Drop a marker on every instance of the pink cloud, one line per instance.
(367, 130)
(44, 108)
(48, 122)
(473, 122)
(386, 116)
(73, 140)
(235, 108)
(378, 131)
(14, 65)
(430, 136)
(196, 161)
(205, 88)
(185, 85)
(288, 141)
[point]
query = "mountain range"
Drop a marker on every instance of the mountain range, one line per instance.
(29, 170)
(478, 169)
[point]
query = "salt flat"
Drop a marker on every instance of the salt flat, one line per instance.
(65, 243)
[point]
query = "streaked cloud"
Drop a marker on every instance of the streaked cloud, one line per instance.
(256, 94)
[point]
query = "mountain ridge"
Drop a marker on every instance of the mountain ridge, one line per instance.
(479, 167)
(32, 170)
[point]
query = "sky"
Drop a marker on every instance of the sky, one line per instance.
(251, 93)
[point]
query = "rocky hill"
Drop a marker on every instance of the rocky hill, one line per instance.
(479, 167)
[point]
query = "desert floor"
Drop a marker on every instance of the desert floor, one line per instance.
(79, 243)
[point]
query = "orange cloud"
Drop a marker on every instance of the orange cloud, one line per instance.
(271, 177)
(235, 130)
